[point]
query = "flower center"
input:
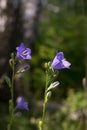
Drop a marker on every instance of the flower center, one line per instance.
(24, 52)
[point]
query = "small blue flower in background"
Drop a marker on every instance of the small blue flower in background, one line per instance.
(23, 53)
(21, 104)
(59, 62)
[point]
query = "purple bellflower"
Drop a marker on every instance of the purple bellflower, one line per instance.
(21, 104)
(23, 53)
(59, 61)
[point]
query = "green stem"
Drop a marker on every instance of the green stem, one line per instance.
(44, 104)
(12, 87)
(12, 98)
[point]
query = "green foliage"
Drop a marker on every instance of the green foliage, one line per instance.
(68, 116)
(71, 114)
(61, 31)
(76, 101)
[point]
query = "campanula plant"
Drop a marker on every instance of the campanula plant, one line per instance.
(58, 63)
(22, 53)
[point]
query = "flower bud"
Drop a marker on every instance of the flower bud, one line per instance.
(47, 65)
(53, 85)
(23, 68)
(40, 125)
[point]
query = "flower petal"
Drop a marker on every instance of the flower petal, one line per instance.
(66, 63)
(55, 62)
(60, 56)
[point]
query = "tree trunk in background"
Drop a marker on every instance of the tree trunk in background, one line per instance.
(30, 12)
(6, 26)
(18, 23)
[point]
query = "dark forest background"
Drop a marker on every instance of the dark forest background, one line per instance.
(46, 26)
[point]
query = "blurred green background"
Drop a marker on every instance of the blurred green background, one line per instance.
(62, 27)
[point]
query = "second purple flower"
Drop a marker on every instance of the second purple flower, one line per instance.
(59, 61)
